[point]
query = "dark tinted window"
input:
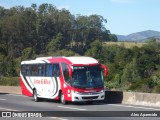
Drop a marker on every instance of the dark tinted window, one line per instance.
(56, 70)
(28, 70)
(65, 72)
(23, 69)
(34, 70)
(49, 69)
(41, 70)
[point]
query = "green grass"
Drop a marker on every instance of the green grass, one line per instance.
(126, 44)
(9, 81)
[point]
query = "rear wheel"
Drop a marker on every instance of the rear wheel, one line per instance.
(36, 99)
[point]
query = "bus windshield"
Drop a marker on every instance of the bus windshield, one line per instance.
(87, 77)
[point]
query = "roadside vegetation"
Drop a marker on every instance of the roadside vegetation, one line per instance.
(135, 68)
(126, 44)
(27, 33)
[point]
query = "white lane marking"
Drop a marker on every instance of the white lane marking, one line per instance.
(71, 108)
(7, 109)
(58, 118)
(16, 95)
(134, 106)
(2, 99)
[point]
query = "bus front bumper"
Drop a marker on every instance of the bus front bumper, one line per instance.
(77, 97)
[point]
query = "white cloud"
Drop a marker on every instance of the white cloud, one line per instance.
(122, 1)
(63, 6)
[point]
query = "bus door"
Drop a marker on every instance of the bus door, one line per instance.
(67, 82)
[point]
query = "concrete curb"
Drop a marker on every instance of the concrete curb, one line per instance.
(133, 98)
(10, 89)
(144, 99)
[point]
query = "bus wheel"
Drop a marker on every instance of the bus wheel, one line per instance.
(36, 99)
(62, 98)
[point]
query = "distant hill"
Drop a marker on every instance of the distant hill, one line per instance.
(140, 36)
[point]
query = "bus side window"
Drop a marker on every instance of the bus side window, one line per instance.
(28, 70)
(44, 69)
(49, 69)
(66, 73)
(34, 70)
(56, 70)
(41, 70)
(23, 69)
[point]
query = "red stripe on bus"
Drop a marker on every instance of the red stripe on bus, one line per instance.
(24, 89)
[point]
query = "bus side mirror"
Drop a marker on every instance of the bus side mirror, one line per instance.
(69, 71)
(105, 69)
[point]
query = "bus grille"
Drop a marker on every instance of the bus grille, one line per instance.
(90, 97)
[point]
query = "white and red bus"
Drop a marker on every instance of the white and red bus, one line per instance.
(63, 78)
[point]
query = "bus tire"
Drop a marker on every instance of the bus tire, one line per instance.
(36, 99)
(62, 98)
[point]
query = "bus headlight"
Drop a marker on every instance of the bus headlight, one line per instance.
(77, 92)
(102, 91)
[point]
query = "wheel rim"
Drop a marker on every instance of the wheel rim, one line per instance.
(35, 95)
(62, 99)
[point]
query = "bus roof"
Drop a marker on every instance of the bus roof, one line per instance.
(82, 60)
(75, 60)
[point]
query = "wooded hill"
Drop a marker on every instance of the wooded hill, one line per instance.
(44, 26)
(26, 33)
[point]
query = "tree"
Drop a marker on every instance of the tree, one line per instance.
(95, 49)
(148, 59)
(130, 74)
(28, 53)
(55, 44)
(2, 12)
(44, 29)
(113, 37)
(8, 67)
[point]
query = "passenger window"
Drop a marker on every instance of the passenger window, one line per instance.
(34, 70)
(23, 69)
(41, 70)
(49, 69)
(56, 70)
(28, 70)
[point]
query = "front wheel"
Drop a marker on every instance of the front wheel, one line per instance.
(36, 99)
(62, 99)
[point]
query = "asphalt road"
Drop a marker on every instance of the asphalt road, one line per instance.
(25, 106)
